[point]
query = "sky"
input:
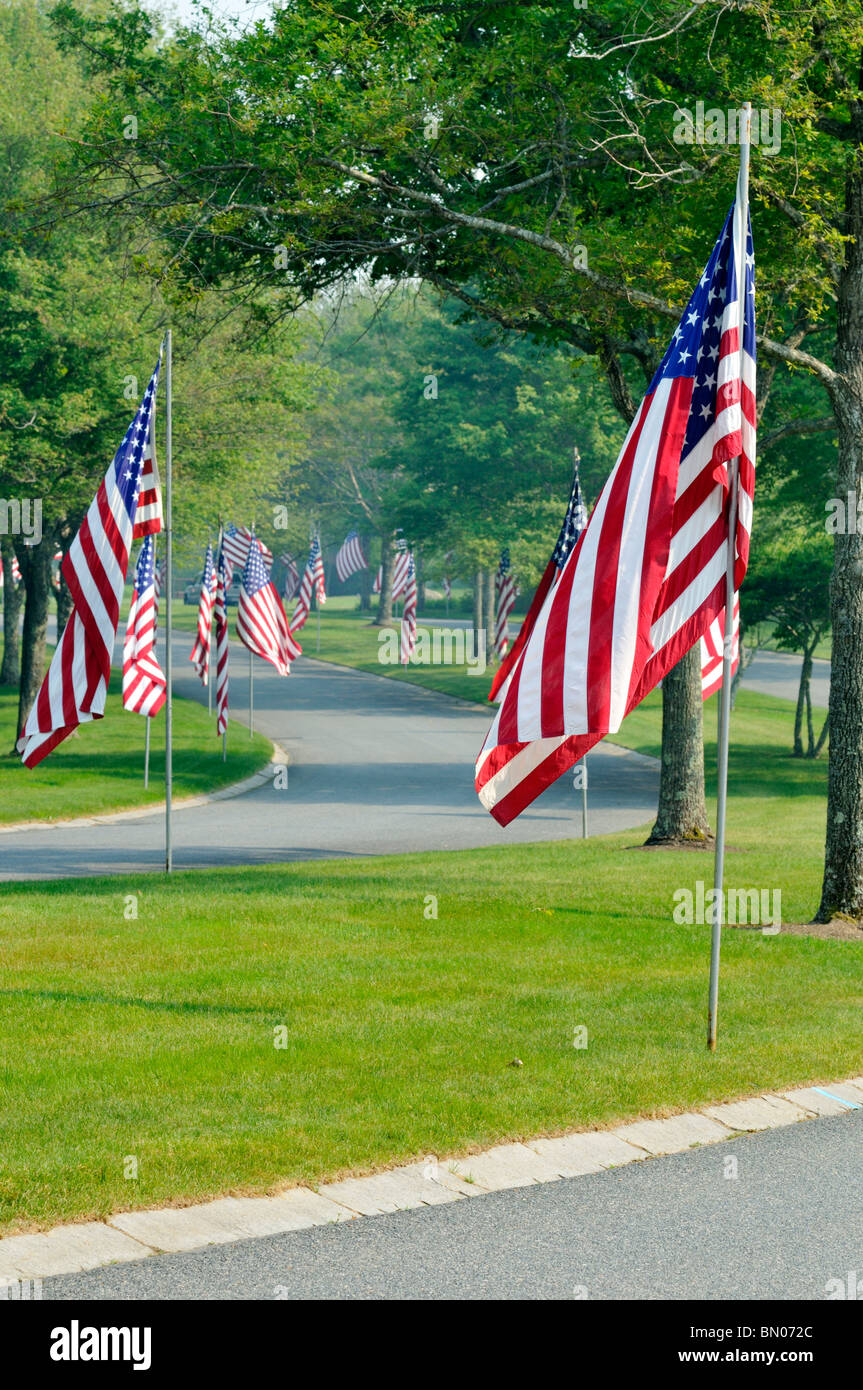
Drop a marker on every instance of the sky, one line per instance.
(244, 12)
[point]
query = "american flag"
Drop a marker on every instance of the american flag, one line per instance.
(235, 545)
(159, 579)
(220, 610)
(74, 690)
(313, 583)
(200, 654)
(16, 571)
(292, 575)
(148, 518)
(505, 593)
(648, 575)
(712, 648)
(447, 587)
(262, 624)
(400, 571)
(350, 559)
(574, 523)
(144, 684)
(409, 615)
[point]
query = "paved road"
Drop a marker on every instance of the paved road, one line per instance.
(666, 1228)
(377, 766)
(778, 673)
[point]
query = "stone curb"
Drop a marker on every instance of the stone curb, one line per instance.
(154, 808)
(134, 1235)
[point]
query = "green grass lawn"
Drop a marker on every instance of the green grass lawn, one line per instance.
(101, 768)
(154, 1037)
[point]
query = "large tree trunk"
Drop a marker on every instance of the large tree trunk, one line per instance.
(842, 889)
(365, 580)
(682, 813)
(385, 603)
(36, 573)
(802, 698)
(477, 605)
(13, 597)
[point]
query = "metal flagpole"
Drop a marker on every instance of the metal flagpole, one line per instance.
(725, 693)
(251, 696)
(169, 576)
(147, 754)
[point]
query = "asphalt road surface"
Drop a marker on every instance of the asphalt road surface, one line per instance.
(376, 767)
(666, 1228)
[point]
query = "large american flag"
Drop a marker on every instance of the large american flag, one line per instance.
(220, 611)
(144, 684)
(574, 522)
(262, 624)
(313, 583)
(200, 654)
(94, 567)
(409, 615)
(648, 575)
(505, 593)
(350, 559)
(235, 544)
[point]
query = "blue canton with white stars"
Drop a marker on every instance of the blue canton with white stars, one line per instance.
(145, 575)
(255, 573)
(129, 457)
(573, 524)
(694, 349)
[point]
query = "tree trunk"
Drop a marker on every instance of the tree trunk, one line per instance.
(682, 813)
(385, 602)
(365, 580)
(488, 611)
(802, 697)
(477, 605)
(822, 737)
(421, 583)
(13, 597)
(842, 888)
(36, 573)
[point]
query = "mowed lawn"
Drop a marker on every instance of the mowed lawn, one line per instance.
(101, 767)
(153, 1037)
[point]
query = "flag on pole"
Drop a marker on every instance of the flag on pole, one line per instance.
(292, 575)
(350, 559)
(262, 624)
(648, 575)
(220, 610)
(235, 544)
(16, 571)
(144, 684)
(313, 583)
(574, 522)
(400, 570)
(505, 592)
(148, 518)
(712, 647)
(200, 654)
(94, 567)
(409, 615)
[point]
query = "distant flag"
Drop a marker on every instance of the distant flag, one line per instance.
(16, 571)
(220, 610)
(56, 559)
(292, 575)
(262, 624)
(350, 559)
(409, 616)
(447, 587)
(148, 518)
(159, 579)
(144, 684)
(200, 654)
(400, 570)
(574, 522)
(94, 567)
(505, 592)
(648, 576)
(712, 648)
(313, 583)
(235, 545)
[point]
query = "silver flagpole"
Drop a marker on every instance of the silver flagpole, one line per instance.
(251, 696)
(169, 576)
(210, 661)
(147, 754)
(725, 693)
